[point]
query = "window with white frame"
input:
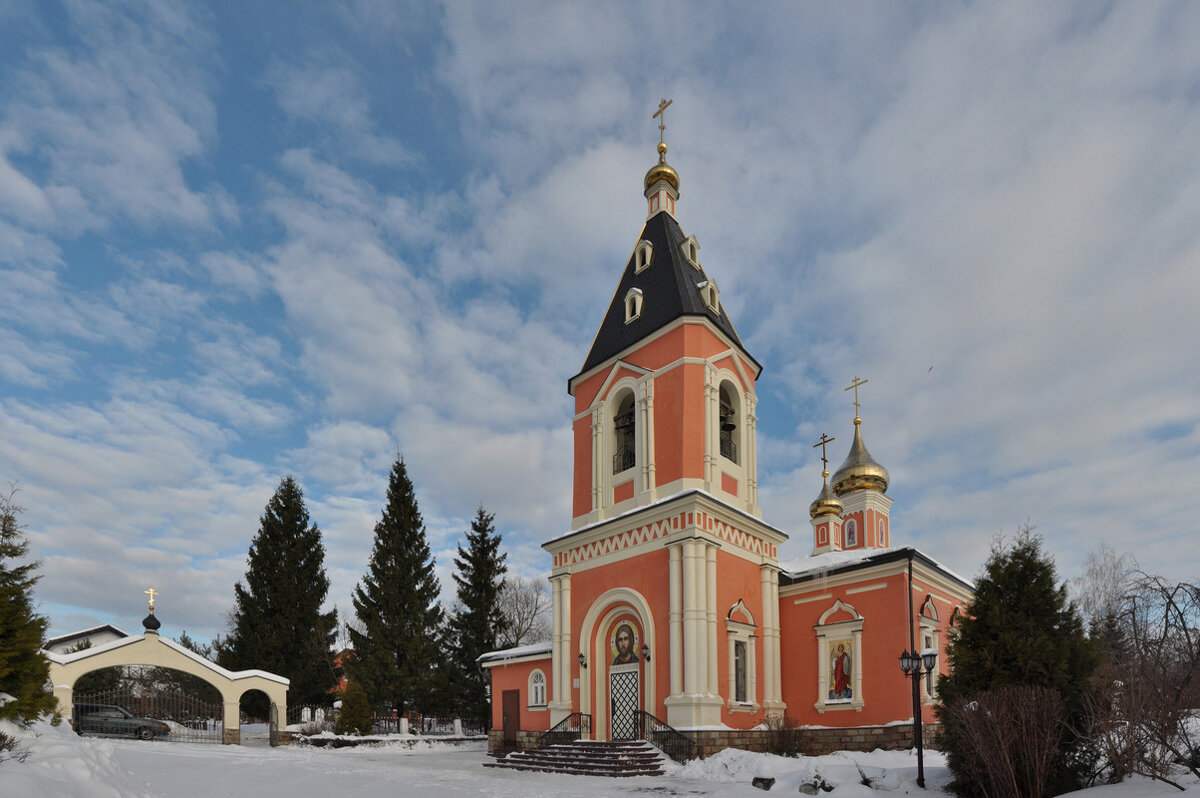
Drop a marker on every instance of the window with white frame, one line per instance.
(537, 689)
(711, 295)
(642, 255)
(851, 533)
(624, 435)
(691, 251)
(633, 304)
(729, 417)
(881, 533)
(930, 638)
(839, 659)
(740, 630)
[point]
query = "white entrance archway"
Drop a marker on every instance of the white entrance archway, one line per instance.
(150, 649)
(594, 686)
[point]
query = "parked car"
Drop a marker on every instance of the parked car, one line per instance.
(112, 719)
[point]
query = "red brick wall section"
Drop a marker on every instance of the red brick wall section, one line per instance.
(813, 742)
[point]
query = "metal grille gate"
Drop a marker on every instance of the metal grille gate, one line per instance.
(191, 708)
(623, 692)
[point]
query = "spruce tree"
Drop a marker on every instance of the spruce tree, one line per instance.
(277, 624)
(24, 670)
(1020, 629)
(477, 623)
(397, 643)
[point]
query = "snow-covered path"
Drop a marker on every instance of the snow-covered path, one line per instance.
(60, 764)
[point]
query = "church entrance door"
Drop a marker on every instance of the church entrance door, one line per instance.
(624, 698)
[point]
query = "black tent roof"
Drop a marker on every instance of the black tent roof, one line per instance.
(670, 288)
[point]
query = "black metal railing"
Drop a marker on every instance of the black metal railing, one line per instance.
(571, 728)
(729, 449)
(623, 459)
(665, 737)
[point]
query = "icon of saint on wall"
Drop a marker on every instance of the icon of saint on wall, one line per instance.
(840, 668)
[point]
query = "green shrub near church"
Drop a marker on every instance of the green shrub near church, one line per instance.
(1020, 630)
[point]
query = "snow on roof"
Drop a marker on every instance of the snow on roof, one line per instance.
(530, 650)
(815, 564)
(54, 641)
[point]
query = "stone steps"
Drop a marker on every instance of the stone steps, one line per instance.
(588, 758)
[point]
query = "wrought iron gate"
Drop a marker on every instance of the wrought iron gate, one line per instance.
(623, 694)
(141, 700)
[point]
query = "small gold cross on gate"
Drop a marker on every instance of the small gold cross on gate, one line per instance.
(151, 593)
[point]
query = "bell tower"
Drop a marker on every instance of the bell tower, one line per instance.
(666, 533)
(665, 400)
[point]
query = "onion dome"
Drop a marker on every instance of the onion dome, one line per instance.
(859, 471)
(151, 623)
(661, 170)
(825, 503)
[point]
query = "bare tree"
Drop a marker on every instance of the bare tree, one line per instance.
(1011, 736)
(1145, 716)
(1100, 592)
(525, 605)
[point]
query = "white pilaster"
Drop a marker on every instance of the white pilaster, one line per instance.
(710, 557)
(676, 620)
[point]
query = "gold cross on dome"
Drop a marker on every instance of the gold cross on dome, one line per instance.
(151, 593)
(661, 117)
(857, 382)
(825, 440)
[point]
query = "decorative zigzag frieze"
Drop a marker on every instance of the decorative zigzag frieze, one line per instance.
(638, 536)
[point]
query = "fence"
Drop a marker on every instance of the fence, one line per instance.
(313, 720)
(144, 700)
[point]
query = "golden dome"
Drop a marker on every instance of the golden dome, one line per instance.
(825, 503)
(860, 470)
(661, 171)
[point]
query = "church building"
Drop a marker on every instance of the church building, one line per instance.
(668, 594)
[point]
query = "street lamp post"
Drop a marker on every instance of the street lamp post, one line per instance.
(915, 666)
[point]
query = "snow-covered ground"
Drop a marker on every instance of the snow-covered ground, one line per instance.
(62, 764)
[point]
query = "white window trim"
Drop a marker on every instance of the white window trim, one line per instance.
(827, 633)
(847, 527)
(633, 304)
(643, 254)
(533, 705)
(928, 627)
(691, 251)
(735, 632)
(711, 295)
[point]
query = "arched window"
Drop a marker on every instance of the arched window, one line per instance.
(711, 295)
(691, 251)
(729, 422)
(881, 533)
(537, 689)
(633, 304)
(624, 438)
(851, 533)
(643, 255)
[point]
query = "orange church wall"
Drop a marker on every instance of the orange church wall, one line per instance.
(646, 574)
(515, 676)
(738, 580)
(582, 489)
(623, 491)
(886, 692)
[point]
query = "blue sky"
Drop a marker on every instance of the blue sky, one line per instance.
(241, 240)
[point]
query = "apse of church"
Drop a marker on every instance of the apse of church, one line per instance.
(669, 601)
